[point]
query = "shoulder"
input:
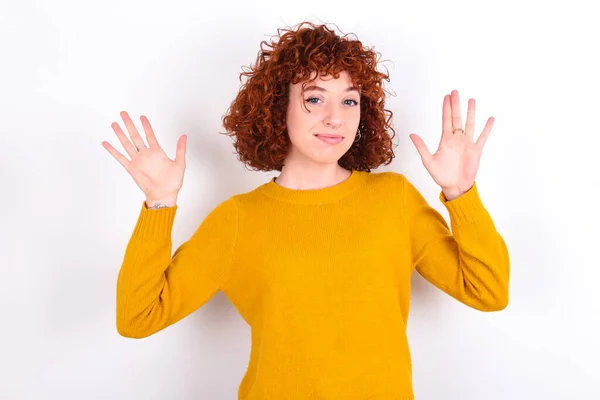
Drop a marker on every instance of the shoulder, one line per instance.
(225, 211)
(395, 184)
(391, 179)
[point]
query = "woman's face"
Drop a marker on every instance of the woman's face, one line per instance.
(324, 134)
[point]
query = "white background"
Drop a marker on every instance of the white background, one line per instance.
(67, 208)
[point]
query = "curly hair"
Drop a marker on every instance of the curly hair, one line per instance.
(256, 119)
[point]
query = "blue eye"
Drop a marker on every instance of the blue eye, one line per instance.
(310, 100)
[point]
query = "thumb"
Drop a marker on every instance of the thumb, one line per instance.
(421, 148)
(180, 154)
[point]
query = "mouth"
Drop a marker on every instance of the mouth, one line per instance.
(329, 139)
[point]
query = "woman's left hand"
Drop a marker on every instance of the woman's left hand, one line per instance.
(455, 163)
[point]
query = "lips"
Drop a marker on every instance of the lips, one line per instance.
(329, 139)
(326, 135)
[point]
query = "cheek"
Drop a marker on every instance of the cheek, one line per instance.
(299, 119)
(356, 115)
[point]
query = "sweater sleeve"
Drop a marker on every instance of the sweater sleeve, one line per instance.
(155, 289)
(471, 263)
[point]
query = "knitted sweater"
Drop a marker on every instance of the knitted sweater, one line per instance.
(321, 276)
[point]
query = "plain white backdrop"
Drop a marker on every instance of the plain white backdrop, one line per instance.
(67, 208)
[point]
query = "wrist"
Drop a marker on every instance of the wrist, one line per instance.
(161, 202)
(451, 194)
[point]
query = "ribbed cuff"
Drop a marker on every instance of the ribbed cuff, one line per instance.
(467, 208)
(154, 224)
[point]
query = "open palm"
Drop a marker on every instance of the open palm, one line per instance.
(455, 164)
(152, 170)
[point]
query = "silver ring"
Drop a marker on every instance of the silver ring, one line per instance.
(139, 146)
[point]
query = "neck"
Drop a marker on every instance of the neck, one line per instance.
(313, 177)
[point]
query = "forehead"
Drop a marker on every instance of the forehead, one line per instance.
(327, 82)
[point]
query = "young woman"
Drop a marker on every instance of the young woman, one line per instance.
(318, 260)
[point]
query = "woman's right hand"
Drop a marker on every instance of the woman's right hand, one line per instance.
(159, 177)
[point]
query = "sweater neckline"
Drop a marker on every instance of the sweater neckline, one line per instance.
(315, 196)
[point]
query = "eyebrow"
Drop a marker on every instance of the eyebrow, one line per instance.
(319, 88)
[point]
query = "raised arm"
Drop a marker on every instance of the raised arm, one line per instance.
(470, 263)
(155, 289)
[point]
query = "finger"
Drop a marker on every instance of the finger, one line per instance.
(470, 124)
(446, 117)
(180, 154)
(486, 132)
(124, 140)
(150, 137)
(421, 148)
(118, 156)
(455, 106)
(135, 136)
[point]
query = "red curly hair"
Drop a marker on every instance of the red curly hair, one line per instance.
(256, 118)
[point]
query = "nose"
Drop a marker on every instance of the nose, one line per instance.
(333, 117)
(334, 126)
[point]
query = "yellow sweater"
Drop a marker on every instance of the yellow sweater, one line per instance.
(322, 277)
